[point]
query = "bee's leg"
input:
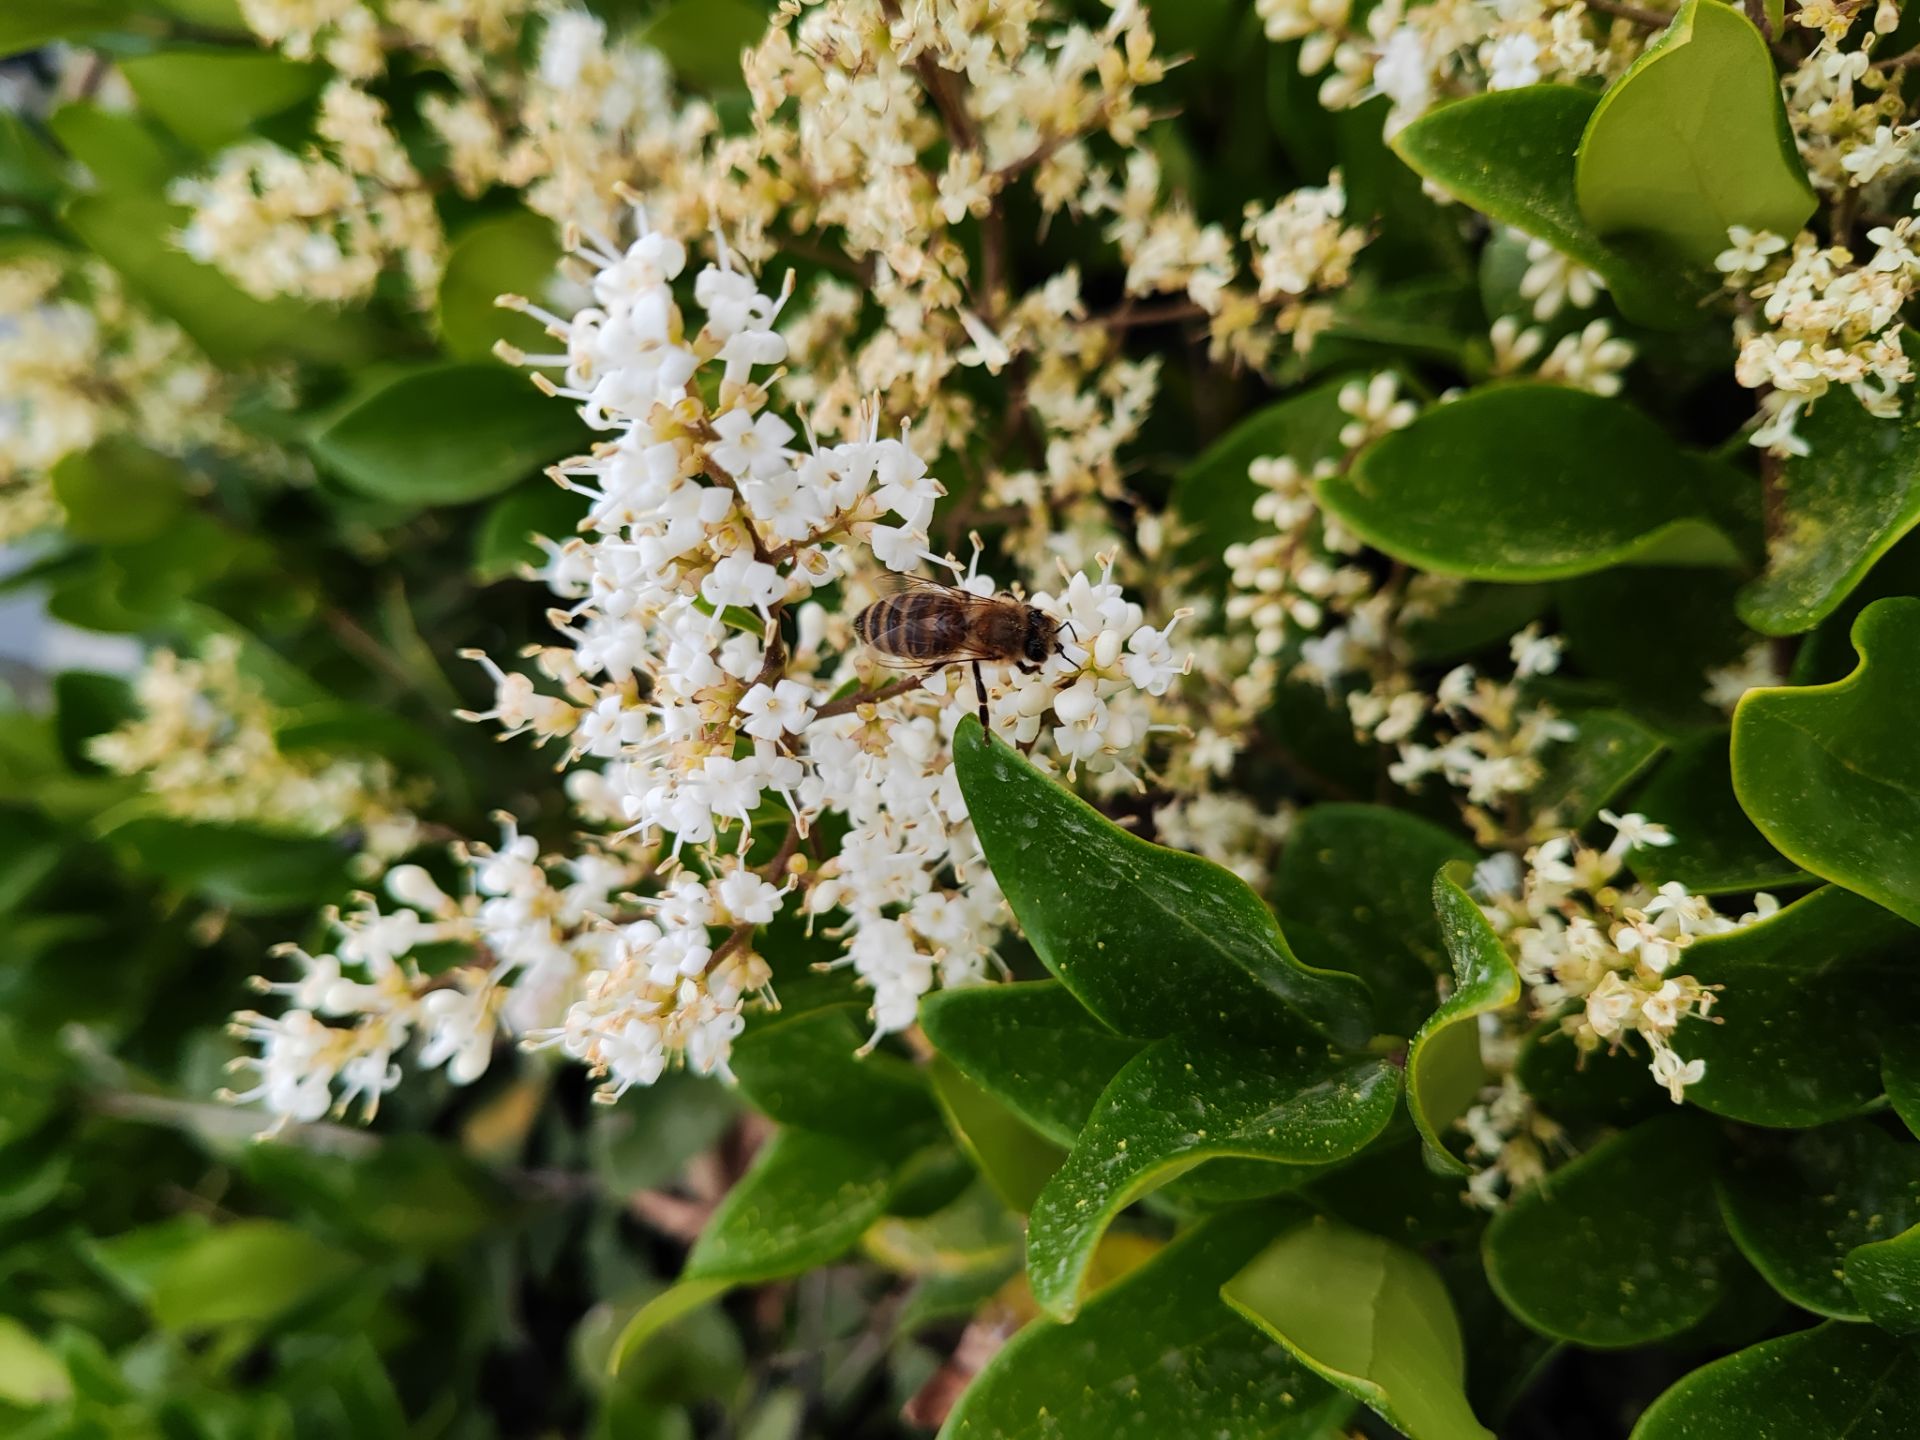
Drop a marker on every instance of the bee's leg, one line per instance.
(1027, 669)
(980, 691)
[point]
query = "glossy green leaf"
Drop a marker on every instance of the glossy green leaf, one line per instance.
(1015, 1159)
(1798, 1206)
(134, 234)
(1884, 1278)
(1608, 750)
(1157, 1353)
(805, 1069)
(1623, 1246)
(246, 1273)
(1804, 992)
(1510, 155)
(1715, 849)
(1652, 635)
(1694, 139)
(1151, 940)
(213, 98)
(29, 24)
(804, 1202)
(1032, 1046)
(512, 254)
(1444, 1069)
(1528, 481)
(1830, 774)
(1371, 1317)
(1843, 506)
(447, 434)
(975, 1232)
(1834, 1382)
(1355, 889)
(118, 492)
(1189, 1099)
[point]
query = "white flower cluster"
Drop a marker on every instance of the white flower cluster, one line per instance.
(79, 364)
(205, 747)
(710, 688)
(1824, 319)
(323, 225)
(1604, 956)
(588, 113)
(1498, 733)
(1419, 52)
(1591, 358)
(1846, 111)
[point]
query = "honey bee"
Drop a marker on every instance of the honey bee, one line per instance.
(929, 626)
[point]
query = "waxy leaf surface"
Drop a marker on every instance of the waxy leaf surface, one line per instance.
(1836, 1382)
(1528, 481)
(1152, 941)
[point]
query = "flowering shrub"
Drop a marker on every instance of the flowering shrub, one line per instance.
(517, 509)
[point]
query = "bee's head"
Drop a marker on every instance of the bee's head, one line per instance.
(1043, 636)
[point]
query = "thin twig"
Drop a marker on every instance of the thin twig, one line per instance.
(1651, 19)
(847, 704)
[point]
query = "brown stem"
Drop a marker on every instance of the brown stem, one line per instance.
(847, 704)
(1651, 19)
(1130, 316)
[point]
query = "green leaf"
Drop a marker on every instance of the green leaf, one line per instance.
(1843, 506)
(120, 151)
(504, 542)
(1623, 1246)
(1445, 1073)
(1715, 849)
(118, 492)
(1355, 888)
(1830, 774)
(703, 39)
(1528, 481)
(804, 1069)
(247, 1273)
(1156, 1353)
(1015, 1159)
(1798, 1206)
(1510, 155)
(1151, 940)
(29, 24)
(1900, 1070)
(1804, 990)
(1578, 776)
(636, 1147)
(28, 167)
(1188, 1099)
(246, 869)
(31, 1375)
(805, 1201)
(975, 1232)
(670, 1305)
(1369, 1316)
(512, 254)
(1834, 1382)
(1651, 635)
(1884, 1278)
(1693, 139)
(1032, 1046)
(134, 234)
(213, 98)
(1215, 493)
(446, 435)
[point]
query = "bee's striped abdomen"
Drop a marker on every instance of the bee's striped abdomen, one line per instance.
(914, 625)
